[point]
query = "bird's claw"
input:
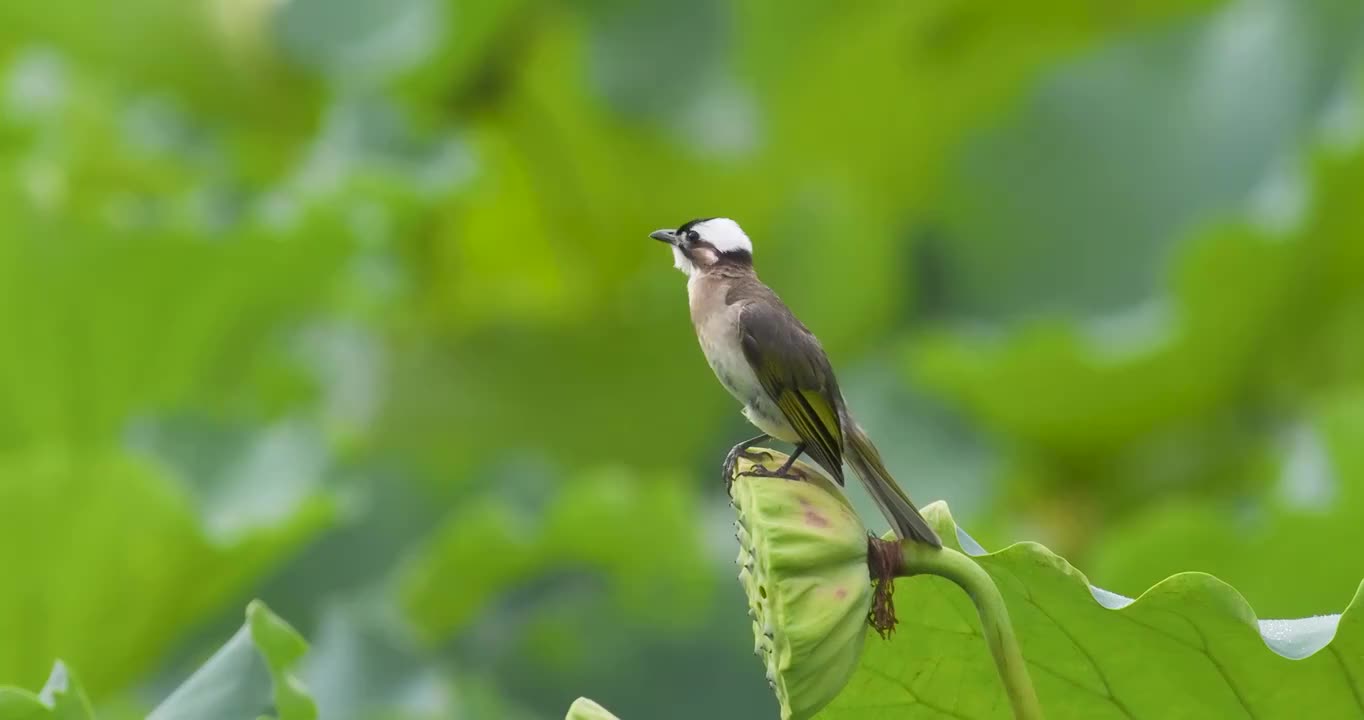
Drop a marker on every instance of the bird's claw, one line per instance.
(731, 463)
(762, 471)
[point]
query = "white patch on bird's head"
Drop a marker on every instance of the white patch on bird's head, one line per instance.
(701, 244)
(723, 234)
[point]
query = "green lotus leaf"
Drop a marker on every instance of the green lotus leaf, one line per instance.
(1188, 647)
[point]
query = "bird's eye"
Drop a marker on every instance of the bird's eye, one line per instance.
(693, 236)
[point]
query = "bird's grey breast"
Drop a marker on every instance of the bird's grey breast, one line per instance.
(717, 329)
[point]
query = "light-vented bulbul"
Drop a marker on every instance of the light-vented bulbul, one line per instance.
(776, 368)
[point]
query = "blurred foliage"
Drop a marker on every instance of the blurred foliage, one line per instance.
(1189, 395)
(61, 697)
(129, 540)
(1316, 511)
(656, 565)
(349, 305)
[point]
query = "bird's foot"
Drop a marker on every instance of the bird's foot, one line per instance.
(784, 471)
(731, 463)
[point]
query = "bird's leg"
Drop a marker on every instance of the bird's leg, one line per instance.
(732, 459)
(785, 470)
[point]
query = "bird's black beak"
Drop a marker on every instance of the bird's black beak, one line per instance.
(667, 236)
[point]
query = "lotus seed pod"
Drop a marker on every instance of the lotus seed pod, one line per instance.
(584, 709)
(803, 555)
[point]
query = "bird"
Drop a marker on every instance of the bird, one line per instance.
(777, 369)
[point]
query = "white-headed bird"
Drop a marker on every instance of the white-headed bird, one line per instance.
(775, 366)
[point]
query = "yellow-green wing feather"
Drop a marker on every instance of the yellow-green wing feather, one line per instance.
(809, 413)
(792, 367)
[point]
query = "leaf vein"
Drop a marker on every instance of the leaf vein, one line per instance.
(1108, 687)
(1349, 678)
(1217, 664)
(914, 698)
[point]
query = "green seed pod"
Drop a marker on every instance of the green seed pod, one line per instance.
(803, 560)
(584, 709)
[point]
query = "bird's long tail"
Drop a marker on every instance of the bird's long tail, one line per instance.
(865, 460)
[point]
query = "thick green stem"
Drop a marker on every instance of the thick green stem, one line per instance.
(920, 559)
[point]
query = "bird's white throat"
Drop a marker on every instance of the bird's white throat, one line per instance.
(681, 262)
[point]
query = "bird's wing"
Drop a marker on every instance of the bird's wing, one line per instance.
(795, 372)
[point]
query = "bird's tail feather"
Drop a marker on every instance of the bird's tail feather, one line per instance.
(865, 460)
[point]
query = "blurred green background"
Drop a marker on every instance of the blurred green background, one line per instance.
(350, 305)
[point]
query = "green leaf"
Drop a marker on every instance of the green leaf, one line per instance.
(1190, 646)
(252, 674)
(61, 698)
(585, 709)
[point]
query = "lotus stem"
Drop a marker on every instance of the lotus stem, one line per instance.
(998, 631)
